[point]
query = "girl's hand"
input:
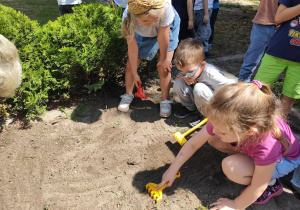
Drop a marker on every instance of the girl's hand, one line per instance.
(223, 203)
(168, 177)
(136, 80)
(166, 65)
(206, 18)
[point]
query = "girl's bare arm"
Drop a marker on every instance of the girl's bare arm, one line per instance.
(260, 180)
(163, 40)
(188, 149)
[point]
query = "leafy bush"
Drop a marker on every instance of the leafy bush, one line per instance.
(78, 51)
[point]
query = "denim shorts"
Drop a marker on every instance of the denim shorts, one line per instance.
(148, 46)
(284, 167)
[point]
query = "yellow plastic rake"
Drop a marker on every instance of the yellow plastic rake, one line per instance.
(157, 194)
(181, 137)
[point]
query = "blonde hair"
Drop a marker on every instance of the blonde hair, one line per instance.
(189, 51)
(10, 68)
(127, 28)
(244, 105)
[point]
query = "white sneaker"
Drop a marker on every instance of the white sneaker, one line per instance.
(165, 108)
(126, 100)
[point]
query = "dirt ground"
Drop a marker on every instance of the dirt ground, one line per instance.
(93, 157)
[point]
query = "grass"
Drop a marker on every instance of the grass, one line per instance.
(40, 10)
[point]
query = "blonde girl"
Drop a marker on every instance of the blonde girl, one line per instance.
(10, 68)
(243, 121)
(149, 26)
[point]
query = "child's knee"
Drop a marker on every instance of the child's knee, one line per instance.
(163, 73)
(226, 165)
(202, 93)
(179, 86)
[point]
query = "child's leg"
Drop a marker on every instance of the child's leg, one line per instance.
(202, 94)
(238, 168)
(203, 31)
(213, 19)
(270, 69)
(127, 98)
(259, 40)
(296, 179)
(286, 105)
(165, 79)
(185, 94)
(291, 86)
(128, 77)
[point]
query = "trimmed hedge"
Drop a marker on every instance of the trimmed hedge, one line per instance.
(78, 51)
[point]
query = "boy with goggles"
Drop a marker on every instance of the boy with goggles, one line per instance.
(196, 80)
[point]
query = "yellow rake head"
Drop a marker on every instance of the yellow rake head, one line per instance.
(153, 192)
(157, 194)
(180, 138)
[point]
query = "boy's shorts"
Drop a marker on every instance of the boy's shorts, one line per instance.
(270, 69)
(148, 46)
(284, 167)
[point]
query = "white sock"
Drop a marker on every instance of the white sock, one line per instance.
(272, 182)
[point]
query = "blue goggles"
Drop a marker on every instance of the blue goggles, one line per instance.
(187, 74)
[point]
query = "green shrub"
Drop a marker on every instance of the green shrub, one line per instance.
(17, 27)
(77, 52)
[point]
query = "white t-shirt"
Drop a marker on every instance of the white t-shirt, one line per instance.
(152, 31)
(68, 2)
(122, 3)
(199, 4)
(214, 78)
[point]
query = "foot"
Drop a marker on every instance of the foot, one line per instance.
(183, 112)
(125, 102)
(209, 55)
(196, 121)
(165, 108)
(271, 191)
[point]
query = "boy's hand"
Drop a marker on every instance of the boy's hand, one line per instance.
(168, 177)
(188, 80)
(205, 18)
(224, 204)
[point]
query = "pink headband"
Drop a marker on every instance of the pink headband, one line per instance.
(257, 83)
